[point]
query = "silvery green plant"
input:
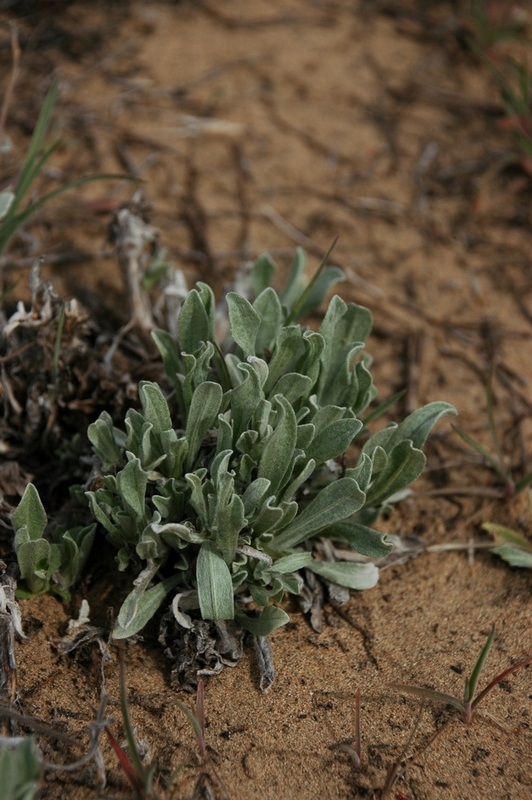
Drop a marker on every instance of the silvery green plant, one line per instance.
(20, 768)
(46, 564)
(215, 494)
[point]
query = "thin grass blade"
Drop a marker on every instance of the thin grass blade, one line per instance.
(430, 694)
(499, 469)
(124, 762)
(498, 678)
(472, 681)
(301, 302)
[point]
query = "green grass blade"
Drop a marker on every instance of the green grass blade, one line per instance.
(128, 728)
(11, 226)
(523, 483)
(472, 681)
(301, 302)
(491, 417)
(498, 678)
(429, 694)
(383, 407)
(497, 466)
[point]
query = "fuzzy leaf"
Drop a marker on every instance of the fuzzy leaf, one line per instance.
(168, 351)
(139, 607)
(268, 307)
(30, 513)
(326, 280)
(286, 347)
(204, 408)
(227, 524)
(291, 563)
(270, 619)
(405, 464)
(215, 587)
(262, 273)
(193, 323)
(515, 556)
(344, 573)
(20, 770)
(245, 398)
(244, 322)
(335, 502)
(132, 482)
(418, 425)
(38, 560)
(102, 436)
(277, 454)
(364, 540)
(293, 387)
(155, 407)
(296, 279)
(333, 440)
(75, 549)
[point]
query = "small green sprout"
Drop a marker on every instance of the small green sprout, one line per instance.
(469, 704)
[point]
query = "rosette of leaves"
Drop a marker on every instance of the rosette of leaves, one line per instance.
(45, 563)
(216, 493)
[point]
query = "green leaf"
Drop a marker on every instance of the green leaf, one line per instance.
(294, 387)
(277, 454)
(132, 482)
(344, 573)
(244, 322)
(507, 536)
(254, 495)
(168, 351)
(364, 540)
(269, 619)
(296, 279)
(30, 513)
(20, 770)
(262, 273)
(326, 280)
(362, 472)
(405, 464)
(268, 307)
(215, 587)
(103, 437)
(75, 546)
(418, 425)
(515, 556)
(245, 398)
(291, 563)
(155, 407)
(38, 560)
(193, 325)
(333, 440)
(229, 520)
(204, 408)
(335, 502)
(286, 347)
(139, 607)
